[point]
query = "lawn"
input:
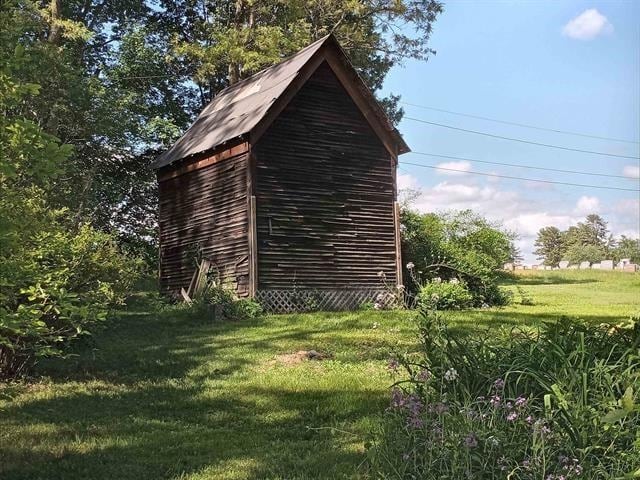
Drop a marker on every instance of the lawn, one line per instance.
(163, 395)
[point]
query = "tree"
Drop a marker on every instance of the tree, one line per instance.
(221, 42)
(550, 246)
(627, 248)
(461, 245)
(57, 275)
(593, 231)
(577, 253)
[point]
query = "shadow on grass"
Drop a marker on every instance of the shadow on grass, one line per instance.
(147, 398)
(546, 280)
(165, 432)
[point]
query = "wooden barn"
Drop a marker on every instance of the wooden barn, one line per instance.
(286, 183)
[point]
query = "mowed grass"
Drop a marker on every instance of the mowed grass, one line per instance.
(165, 395)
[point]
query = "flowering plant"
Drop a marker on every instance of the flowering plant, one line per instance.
(529, 406)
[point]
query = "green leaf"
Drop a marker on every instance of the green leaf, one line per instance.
(626, 401)
(614, 416)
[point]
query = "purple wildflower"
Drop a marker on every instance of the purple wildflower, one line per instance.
(498, 384)
(495, 401)
(398, 398)
(512, 417)
(414, 404)
(415, 422)
(521, 402)
(424, 375)
(441, 408)
(541, 427)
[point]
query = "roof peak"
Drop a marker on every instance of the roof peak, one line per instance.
(253, 76)
(240, 108)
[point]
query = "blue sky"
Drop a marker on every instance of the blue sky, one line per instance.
(568, 65)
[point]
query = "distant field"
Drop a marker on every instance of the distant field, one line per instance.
(592, 295)
(160, 395)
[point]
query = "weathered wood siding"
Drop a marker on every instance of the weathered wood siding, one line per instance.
(325, 193)
(205, 209)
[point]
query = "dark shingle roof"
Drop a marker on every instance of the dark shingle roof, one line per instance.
(237, 109)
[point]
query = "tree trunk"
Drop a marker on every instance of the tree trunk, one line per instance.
(234, 68)
(54, 33)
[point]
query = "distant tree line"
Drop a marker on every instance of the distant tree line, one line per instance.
(588, 241)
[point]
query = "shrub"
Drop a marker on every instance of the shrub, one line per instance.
(220, 303)
(55, 286)
(439, 295)
(558, 403)
(57, 276)
(462, 246)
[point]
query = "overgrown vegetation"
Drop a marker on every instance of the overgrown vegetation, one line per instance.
(57, 274)
(439, 295)
(217, 302)
(456, 252)
(557, 403)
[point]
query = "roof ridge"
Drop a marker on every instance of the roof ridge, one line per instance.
(237, 109)
(270, 67)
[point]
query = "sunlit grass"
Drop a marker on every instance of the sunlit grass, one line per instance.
(162, 395)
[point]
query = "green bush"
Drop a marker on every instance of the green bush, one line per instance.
(555, 404)
(439, 295)
(57, 276)
(54, 288)
(221, 303)
(456, 246)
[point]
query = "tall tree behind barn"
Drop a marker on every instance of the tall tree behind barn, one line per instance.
(286, 183)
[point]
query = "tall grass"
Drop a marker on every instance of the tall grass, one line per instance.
(556, 403)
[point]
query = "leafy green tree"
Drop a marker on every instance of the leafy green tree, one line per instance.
(57, 275)
(577, 253)
(627, 248)
(593, 231)
(550, 246)
(221, 42)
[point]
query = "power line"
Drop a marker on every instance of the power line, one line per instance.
(520, 140)
(518, 178)
(567, 132)
(577, 172)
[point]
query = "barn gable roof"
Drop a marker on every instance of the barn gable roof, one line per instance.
(249, 106)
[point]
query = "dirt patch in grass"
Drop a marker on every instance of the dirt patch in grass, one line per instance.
(290, 359)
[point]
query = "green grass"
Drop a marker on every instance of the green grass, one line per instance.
(168, 396)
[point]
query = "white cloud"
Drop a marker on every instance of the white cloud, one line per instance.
(631, 171)
(586, 205)
(627, 207)
(407, 181)
(514, 208)
(462, 167)
(588, 25)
